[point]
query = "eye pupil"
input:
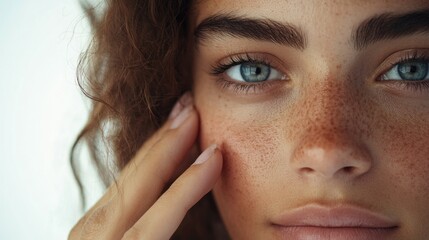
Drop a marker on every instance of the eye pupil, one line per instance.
(416, 70)
(254, 72)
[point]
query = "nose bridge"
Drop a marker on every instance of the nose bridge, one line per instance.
(331, 102)
(329, 142)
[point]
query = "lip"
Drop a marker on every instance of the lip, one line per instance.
(340, 222)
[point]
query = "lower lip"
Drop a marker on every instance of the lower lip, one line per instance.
(321, 233)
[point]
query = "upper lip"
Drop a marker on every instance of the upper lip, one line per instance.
(343, 215)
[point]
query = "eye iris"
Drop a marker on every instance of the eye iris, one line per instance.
(413, 70)
(254, 72)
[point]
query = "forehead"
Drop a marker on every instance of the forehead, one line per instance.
(308, 12)
(326, 24)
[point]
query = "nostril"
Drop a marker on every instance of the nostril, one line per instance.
(348, 169)
(330, 161)
(306, 170)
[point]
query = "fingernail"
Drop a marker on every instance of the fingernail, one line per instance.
(183, 101)
(181, 117)
(206, 154)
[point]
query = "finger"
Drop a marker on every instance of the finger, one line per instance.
(182, 103)
(142, 184)
(145, 181)
(164, 217)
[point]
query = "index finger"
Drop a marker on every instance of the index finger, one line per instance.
(144, 182)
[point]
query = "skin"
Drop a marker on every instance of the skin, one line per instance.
(332, 133)
(134, 207)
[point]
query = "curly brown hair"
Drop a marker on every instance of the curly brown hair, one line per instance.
(135, 68)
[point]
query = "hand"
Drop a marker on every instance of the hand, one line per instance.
(135, 207)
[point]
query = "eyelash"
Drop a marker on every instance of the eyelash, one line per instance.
(240, 87)
(409, 85)
(246, 88)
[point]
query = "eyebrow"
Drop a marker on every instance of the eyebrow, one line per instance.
(390, 26)
(257, 29)
(380, 27)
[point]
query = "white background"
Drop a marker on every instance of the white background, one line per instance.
(42, 111)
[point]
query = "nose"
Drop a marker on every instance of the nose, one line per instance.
(330, 141)
(327, 157)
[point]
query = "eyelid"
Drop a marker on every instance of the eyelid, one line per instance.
(257, 57)
(274, 74)
(394, 71)
(218, 70)
(402, 88)
(399, 57)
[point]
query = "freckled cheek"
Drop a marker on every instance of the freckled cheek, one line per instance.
(248, 149)
(235, 141)
(410, 157)
(404, 154)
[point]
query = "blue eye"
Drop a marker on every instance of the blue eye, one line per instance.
(416, 70)
(253, 72)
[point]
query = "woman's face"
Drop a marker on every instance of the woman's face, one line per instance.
(316, 105)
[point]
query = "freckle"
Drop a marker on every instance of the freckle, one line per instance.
(403, 138)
